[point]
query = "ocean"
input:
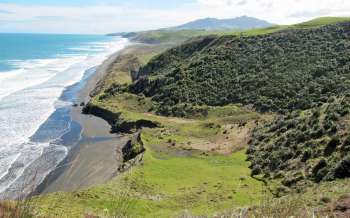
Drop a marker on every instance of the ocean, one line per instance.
(39, 76)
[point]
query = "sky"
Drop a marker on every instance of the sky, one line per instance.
(107, 16)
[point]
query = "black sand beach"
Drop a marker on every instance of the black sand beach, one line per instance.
(94, 159)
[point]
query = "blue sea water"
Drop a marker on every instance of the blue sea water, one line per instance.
(39, 75)
(19, 47)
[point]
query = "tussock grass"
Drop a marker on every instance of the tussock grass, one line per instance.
(16, 209)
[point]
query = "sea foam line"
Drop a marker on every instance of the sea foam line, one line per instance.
(52, 84)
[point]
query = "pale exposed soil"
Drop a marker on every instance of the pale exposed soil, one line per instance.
(233, 138)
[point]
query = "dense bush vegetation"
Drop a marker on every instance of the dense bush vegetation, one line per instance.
(312, 144)
(283, 71)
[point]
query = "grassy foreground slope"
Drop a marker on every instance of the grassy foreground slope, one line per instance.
(190, 165)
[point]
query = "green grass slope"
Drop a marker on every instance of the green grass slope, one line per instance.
(192, 166)
(318, 22)
(165, 186)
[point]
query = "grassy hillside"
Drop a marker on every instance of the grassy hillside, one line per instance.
(191, 167)
(195, 166)
(315, 23)
(165, 186)
(318, 22)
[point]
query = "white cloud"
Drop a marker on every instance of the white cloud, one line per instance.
(218, 3)
(114, 18)
(88, 19)
(278, 11)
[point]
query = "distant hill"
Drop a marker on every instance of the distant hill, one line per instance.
(123, 34)
(241, 23)
(195, 28)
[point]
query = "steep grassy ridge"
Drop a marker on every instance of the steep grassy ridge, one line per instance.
(322, 21)
(128, 61)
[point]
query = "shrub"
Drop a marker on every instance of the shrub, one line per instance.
(318, 172)
(342, 170)
(345, 147)
(216, 74)
(306, 155)
(331, 146)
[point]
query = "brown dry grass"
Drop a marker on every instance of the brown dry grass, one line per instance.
(18, 209)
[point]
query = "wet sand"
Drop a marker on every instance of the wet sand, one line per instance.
(94, 159)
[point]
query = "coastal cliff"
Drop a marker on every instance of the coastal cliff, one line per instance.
(115, 119)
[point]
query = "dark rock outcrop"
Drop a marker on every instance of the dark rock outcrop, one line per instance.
(122, 126)
(131, 154)
(107, 115)
(133, 148)
(118, 124)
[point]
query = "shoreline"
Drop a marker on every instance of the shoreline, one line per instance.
(93, 159)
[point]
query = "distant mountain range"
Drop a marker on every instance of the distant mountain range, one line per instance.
(212, 24)
(241, 23)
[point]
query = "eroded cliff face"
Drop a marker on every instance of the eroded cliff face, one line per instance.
(97, 111)
(131, 153)
(117, 122)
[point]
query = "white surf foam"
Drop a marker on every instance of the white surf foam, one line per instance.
(31, 73)
(27, 99)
